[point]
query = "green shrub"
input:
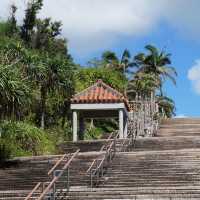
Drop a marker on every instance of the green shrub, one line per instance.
(25, 139)
(5, 151)
(93, 133)
(58, 134)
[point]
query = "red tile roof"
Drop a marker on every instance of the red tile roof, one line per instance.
(100, 93)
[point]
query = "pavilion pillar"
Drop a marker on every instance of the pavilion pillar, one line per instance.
(121, 124)
(126, 127)
(75, 126)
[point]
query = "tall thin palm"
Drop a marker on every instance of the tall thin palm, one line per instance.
(143, 85)
(111, 60)
(156, 62)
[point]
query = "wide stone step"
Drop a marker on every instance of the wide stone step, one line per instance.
(166, 143)
(29, 171)
(181, 121)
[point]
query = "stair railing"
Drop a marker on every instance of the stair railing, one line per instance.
(102, 164)
(56, 164)
(37, 186)
(105, 146)
(110, 136)
(48, 189)
(129, 141)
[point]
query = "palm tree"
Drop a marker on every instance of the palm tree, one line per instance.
(156, 62)
(110, 59)
(143, 85)
(166, 106)
(123, 65)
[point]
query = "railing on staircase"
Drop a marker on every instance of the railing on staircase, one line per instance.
(142, 122)
(108, 139)
(129, 141)
(99, 166)
(46, 190)
(104, 147)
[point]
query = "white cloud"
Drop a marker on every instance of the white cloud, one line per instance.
(97, 24)
(94, 24)
(194, 76)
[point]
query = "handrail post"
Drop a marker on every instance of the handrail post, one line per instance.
(55, 179)
(102, 170)
(91, 181)
(54, 191)
(114, 146)
(97, 163)
(68, 179)
(97, 176)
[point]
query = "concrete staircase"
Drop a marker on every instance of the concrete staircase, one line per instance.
(160, 168)
(165, 167)
(20, 178)
(180, 127)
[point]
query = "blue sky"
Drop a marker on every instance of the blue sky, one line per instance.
(184, 54)
(92, 26)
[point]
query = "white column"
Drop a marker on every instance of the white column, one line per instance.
(75, 126)
(121, 124)
(126, 127)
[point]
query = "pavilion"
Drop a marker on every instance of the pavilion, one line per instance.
(99, 101)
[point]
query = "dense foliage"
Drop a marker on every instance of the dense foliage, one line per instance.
(38, 78)
(25, 139)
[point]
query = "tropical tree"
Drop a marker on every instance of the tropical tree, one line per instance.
(143, 85)
(50, 75)
(166, 106)
(14, 90)
(12, 21)
(156, 62)
(29, 22)
(85, 77)
(110, 60)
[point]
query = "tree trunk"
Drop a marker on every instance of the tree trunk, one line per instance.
(13, 109)
(43, 106)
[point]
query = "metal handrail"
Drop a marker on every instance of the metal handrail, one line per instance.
(99, 170)
(56, 164)
(46, 190)
(49, 172)
(130, 140)
(91, 166)
(93, 163)
(102, 148)
(32, 191)
(55, 178)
